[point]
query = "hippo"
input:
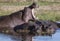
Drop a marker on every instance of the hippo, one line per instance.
(36, 28)
(39, 27)
(17, 18)
(48, 27)
(29, 28)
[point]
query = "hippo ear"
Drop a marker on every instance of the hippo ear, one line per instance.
(33, 5)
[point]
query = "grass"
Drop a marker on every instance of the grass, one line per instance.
(44, 3)
(49, 15)
(4, 12)
(27, 3)
(44, 15)
(15, 3)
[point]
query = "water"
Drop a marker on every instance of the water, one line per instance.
(4, 37)
(54, 37)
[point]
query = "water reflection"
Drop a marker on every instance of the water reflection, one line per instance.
(4, 37)
(54, 37)
(42, 38)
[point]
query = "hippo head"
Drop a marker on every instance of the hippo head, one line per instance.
(48, 28)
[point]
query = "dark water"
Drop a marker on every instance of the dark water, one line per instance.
(54, 37)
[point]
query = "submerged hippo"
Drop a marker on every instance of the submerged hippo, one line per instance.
(41, 27)
(48, 27)
(29, 28)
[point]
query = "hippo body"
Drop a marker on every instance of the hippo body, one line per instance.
(17, 18)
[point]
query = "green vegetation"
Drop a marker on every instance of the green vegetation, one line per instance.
(49, 15)
(27, 3)
(15, 3)
(44, 3)
(43, 14)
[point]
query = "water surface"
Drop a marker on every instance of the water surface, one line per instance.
(54, 37)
